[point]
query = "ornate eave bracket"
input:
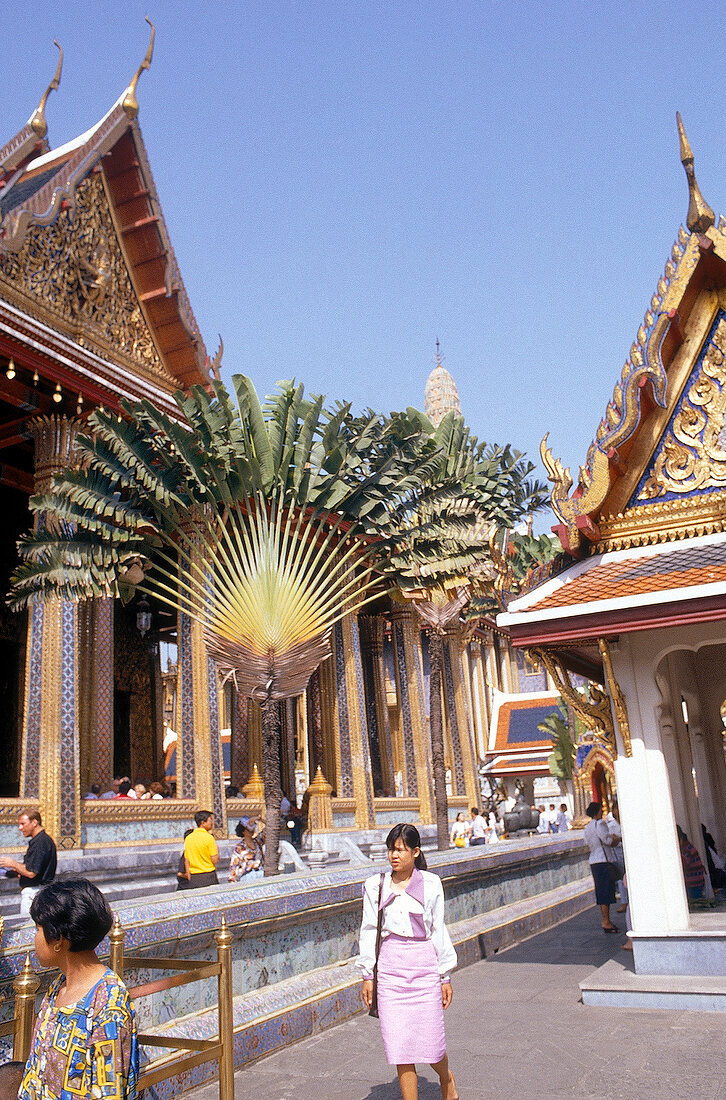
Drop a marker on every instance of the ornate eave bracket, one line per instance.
(575, 512)
(618, 699)
(596, 712)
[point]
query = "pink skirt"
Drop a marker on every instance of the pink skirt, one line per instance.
(409, 1002)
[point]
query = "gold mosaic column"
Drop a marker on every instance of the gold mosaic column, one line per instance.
(463, 762)
(355, 765)
(414, 717)
(199, 748)
(95, 691)
(50, 754)
(374, 637)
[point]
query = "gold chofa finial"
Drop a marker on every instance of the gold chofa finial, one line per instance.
(130, 103)
(37, 121)
(700, 215)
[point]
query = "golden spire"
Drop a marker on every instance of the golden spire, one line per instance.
(37, 121)
(130, 103)
(700, 215)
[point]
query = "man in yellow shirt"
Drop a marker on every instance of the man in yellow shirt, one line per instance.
(200, 852)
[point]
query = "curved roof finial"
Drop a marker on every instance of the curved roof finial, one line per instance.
(700, 215)
(130, 103)
(37, 121)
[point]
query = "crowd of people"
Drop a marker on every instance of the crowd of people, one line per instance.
(485, 827)
(123, 788)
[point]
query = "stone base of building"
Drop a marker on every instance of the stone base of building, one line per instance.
(680, 970)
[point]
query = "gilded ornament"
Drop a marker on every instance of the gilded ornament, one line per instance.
(130, 103)
(595, 712)
(621, 710)
(73, 274)
(700, 215)
(692, 455)
(37, 121)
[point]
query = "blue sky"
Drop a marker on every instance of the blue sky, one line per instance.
(346, 181)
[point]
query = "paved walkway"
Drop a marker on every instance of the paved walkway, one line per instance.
(516, 1031)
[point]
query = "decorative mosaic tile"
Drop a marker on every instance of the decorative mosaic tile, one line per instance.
(69, 778)
(460, 786)
(346, 764)
(31, 738)
(188, 771)
(411, 786)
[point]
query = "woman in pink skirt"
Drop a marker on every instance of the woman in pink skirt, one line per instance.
(415, 960)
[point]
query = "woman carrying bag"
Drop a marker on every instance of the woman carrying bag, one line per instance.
(405, 947)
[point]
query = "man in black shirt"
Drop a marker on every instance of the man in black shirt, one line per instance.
(38, 867)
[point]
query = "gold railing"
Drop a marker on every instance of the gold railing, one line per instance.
(193, 970)
(21, 1026)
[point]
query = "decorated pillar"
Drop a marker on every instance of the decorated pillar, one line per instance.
(314, 706)
(50, 762)
(199, 746)
(418, 781)
(460, 724)
(355, 764)
(239, 750)
(379, 727)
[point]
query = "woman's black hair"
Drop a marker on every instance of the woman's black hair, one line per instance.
(75, 910)
(409, 834)
(593, 809)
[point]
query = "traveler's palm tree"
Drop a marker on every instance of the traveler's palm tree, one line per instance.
(259, 521)
(440, 552)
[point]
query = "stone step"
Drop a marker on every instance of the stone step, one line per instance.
(613, 985)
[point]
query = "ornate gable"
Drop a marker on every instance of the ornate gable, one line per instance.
(73, 275)
(84, 249)
(690, 459)
(657, 467)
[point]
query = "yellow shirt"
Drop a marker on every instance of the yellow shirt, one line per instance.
(199, 847)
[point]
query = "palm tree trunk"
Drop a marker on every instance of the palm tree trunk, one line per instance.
(436, 655)
(271, 779)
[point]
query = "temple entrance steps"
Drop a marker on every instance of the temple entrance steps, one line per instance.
(267, 1019)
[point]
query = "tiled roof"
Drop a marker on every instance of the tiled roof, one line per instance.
(617, 578)
(515, 719)
(516, 765)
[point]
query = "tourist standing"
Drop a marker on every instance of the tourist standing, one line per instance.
(41, 859)
(84, 1042)
(201, 852)
(564, 818)
(414, 962)
(600, 841)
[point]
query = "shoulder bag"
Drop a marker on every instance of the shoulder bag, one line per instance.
(373, 1010)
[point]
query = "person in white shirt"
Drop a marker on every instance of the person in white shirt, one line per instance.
(543, 825)
(414, 961)
(478, 834)
(563, 820)
(600, 841)
(459, 832)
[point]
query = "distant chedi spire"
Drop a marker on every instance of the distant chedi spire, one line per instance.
(441, 394)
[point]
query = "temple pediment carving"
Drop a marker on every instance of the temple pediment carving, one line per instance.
(73, 275)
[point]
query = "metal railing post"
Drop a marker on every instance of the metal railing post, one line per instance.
(226, 1017)
(25, 987)
(116, 940)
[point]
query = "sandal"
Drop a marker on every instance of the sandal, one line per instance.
(611, 929)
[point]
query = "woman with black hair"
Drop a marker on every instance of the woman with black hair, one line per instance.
(84, 1042)
(404, 944)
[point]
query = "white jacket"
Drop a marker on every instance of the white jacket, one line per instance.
(418, 913)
